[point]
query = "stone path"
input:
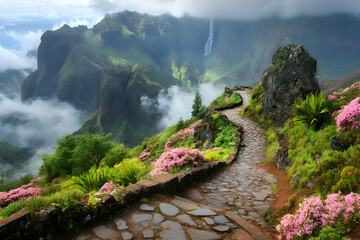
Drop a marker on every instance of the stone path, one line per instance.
(206, 211)
(244, 186)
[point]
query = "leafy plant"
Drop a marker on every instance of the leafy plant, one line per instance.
(312, 111)
(94, 179)
(130, 171)
(75, 154)
(227, 137)
(116, 155)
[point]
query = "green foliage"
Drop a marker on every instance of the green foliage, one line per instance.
(313, 111)
(180, 124)
(130, 171)
(75, 155)
(64, 199)
(10, 154)
(17, 183)
(226, 99)
(116, 155)
(227, 137)
(254, 109)
(218, 155)
(94, 179)
(349, 180)
(198, 109)
(90, 150)
(332, 232)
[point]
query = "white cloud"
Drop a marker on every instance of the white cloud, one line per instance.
(18, 59)
(77, 22)
(29, 40)
(175, 103)
(14, 60)
(235, 9)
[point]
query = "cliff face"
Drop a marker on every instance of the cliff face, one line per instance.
(90, 68)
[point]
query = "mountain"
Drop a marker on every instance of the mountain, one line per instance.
(105, 70)
(11, 80)
(330, 86)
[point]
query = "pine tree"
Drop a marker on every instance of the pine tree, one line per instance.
(198, 109)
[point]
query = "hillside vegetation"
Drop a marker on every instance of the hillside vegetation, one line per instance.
(322, 138)
(106, 70)
(92, 164)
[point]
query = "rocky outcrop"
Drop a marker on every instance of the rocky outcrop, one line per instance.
(290, 76)
(338, 144)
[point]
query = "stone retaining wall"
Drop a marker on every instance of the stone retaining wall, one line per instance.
(22, 225)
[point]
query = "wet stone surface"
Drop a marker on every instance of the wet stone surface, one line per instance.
(244, 187)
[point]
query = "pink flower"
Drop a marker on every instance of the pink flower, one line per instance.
(176, 157)
(314, 213)
(145, 155)
(349, 116)
(109, 187)
(227, 99)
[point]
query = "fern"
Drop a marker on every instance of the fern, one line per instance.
(312, 111)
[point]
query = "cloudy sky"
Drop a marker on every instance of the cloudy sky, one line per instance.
(22, 22)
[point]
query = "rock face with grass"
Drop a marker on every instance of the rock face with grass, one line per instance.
(292, 74)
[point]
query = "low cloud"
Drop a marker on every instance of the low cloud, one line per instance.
(38, 124)
(233, 9)
(175, 102)
(19, 59)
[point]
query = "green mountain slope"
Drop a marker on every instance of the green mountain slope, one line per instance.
(108, 68)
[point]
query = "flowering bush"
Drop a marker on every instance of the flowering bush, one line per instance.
(177, 157)
(181, 135)
(347, 92)
(349, 116)
(23, 192)
(145, 155)
(109, 187)
(314, 214)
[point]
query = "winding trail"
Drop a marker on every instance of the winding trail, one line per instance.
(243, 188)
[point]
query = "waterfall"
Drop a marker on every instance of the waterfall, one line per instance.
(210, 39)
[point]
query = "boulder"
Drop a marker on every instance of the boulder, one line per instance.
(291, 75)
(281, 159)
(338, 144)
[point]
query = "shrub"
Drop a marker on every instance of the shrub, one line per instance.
(75, 155)
(227, 137)
(348, 117)
(217, 154)
(109, 187)
(226, 99)
(314, 214)
(312, 111)
(23, 192)
(130, 171)
(94, 179)
(177, 158)
(62, 199)
(116, 155)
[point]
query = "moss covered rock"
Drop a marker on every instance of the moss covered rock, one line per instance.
(291, 75)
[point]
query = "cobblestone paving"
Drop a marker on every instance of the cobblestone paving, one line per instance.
(204, 212)
(244, 186)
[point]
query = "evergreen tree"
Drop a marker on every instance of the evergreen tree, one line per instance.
(198, 109)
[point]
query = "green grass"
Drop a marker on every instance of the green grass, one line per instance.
(220, 102)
